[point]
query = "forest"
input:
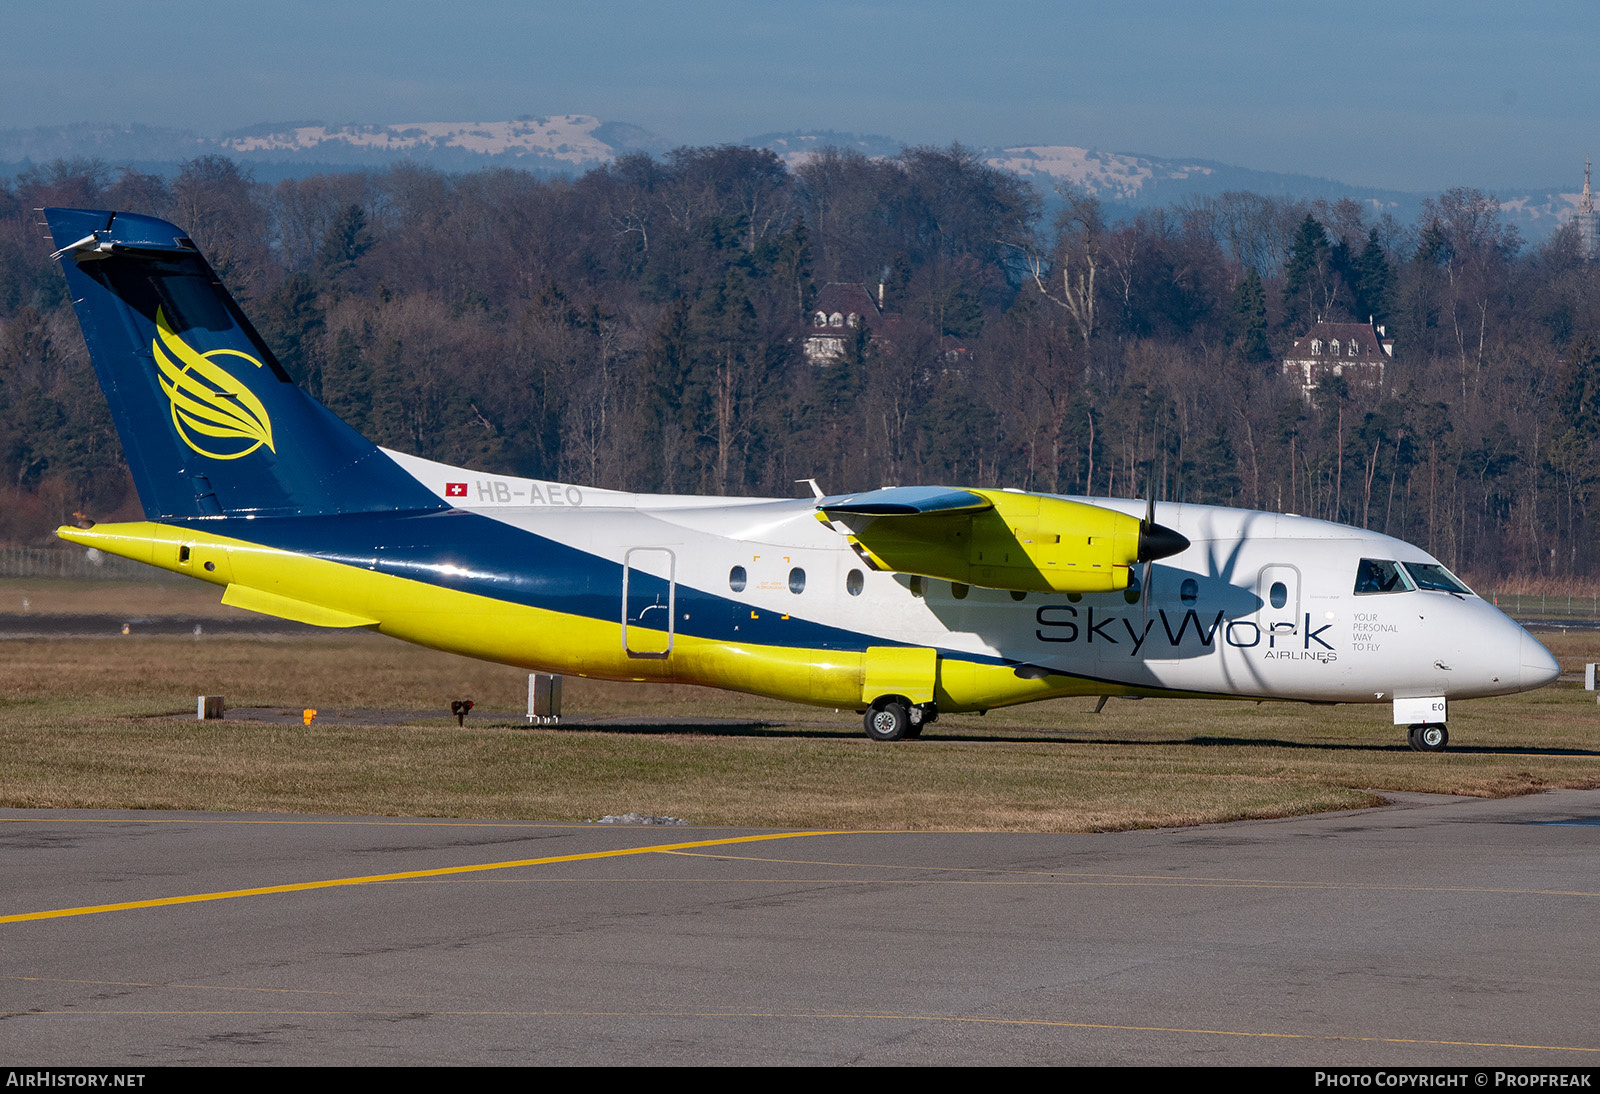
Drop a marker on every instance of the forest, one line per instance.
(643, 326)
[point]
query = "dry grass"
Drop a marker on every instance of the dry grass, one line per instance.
(90, 723)
(134, 600)
(1536, 585)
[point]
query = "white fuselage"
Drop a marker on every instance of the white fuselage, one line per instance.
(1261, 605)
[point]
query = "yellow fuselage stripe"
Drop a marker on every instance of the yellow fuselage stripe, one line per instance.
(542, 639)
(408, 875)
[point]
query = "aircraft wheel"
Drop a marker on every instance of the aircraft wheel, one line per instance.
(1430, 737)
(888, 720)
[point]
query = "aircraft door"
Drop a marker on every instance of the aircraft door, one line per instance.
(649, 601)
(1278, 586)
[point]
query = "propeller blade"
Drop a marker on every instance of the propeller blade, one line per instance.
(1155, 541)
(1148, 523)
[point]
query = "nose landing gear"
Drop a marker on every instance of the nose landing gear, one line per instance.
(1428, 737)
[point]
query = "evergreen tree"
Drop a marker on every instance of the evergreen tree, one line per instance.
(1577, 396)
(1307, 266)
(347, 240)
(291, 321)
(1249, 319)
(1372, 281)
(1216, 469)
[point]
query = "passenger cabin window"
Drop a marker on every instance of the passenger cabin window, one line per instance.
(797, 580)
(854, 582)
(919, 585)
(1189, 591)
(736, 579)
(1380, 576)
(1278, 594)
(959, 591)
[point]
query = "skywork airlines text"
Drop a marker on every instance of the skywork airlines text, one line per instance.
(1285, 640)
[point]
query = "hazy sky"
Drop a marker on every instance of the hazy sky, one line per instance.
(1415, 96)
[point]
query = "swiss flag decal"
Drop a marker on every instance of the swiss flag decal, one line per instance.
(455, 489)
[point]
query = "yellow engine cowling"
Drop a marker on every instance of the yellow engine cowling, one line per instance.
(1027, 542)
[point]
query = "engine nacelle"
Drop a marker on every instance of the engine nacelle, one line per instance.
(1025, 542)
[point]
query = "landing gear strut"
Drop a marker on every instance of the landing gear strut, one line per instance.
(1428, 737)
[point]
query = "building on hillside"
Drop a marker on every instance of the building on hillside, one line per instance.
(837, 317)
(842, 310)
(1355, 352)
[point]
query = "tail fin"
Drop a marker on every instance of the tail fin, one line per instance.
(210, 422)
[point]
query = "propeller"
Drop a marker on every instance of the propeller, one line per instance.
(1155, 541)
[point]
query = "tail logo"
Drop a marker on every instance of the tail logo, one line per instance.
(212, 411)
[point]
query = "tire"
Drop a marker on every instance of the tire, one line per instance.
(888, 720)
(1429, 737)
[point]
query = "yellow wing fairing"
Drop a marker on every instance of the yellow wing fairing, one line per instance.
(998, 540)
(288, 607)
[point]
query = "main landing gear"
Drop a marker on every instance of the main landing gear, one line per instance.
(892, 717)
(1428, 737)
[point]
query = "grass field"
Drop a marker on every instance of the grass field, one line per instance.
(108, 722)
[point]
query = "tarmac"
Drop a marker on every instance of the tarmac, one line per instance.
(1435, 931)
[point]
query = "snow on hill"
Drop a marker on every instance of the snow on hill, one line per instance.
(1537, 215)
(568, 138)
(795, 148)
(1106, 174)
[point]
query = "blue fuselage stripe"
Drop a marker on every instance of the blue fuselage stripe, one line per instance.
(471, 553)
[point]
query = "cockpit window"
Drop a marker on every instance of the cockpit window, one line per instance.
(1376, 575)
(1428, 575)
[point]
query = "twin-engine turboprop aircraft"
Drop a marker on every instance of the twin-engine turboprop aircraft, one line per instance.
(903, 603)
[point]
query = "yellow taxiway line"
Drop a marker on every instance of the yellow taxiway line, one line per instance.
(408, 875)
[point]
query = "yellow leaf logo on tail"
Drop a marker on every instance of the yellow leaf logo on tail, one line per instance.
(213, 412)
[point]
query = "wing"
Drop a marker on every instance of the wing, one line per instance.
(998, 539)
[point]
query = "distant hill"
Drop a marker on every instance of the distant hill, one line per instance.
(564, 141)
(566, 144)
(1132, 182)
(560, 144)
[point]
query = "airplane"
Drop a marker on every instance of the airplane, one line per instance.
(902, 603)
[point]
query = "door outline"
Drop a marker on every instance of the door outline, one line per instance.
(644, 616)
(1284, 622)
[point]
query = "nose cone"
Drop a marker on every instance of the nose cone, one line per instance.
(1158, 541)
(1538, 666)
